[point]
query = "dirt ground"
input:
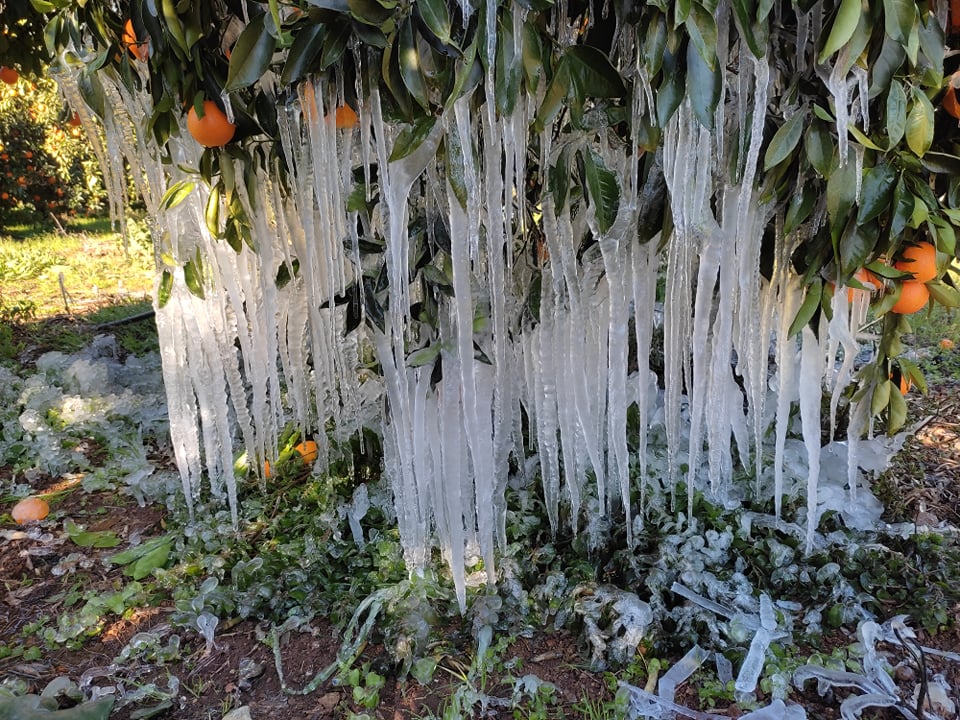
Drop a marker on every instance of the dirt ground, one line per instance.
(923, 485)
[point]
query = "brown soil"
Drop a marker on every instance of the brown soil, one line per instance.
(923, 485)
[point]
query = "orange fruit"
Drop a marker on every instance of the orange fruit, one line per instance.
(4, 196)
(947, 344)
(213, 129)
(9, 75)
(74, 120)
(919, 259)
(913, 297)
(866, 278)
(30, 509)
(949, 101)
(345, 117)
(139, 50)
(28, 154)
(308, 451)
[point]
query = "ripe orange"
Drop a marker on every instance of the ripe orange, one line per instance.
(308, 451)
(28, 154)
(213, 129)
(905, 383)
(947, 344)
(9, 75)
(913, 297)
(866, 278)
(30, 509)
(139, 50)
(74, 120)
(345, 117)
(949, 101)
(919, 259)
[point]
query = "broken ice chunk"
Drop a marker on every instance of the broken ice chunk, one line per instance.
(777, 710)
(679, 673)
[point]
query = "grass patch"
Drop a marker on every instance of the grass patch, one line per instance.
(59, 288)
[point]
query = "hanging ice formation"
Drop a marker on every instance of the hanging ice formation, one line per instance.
(537, 323)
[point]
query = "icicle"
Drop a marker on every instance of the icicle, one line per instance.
(811, 372)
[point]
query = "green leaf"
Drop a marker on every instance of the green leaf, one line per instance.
(881, 397)
(811, 302)
(424, 356)
(919, 129)
(819, 148)
(944, 294)
(603, 190)
(898, 19)
(176, 194)
(456, 167)
(744, 13)
(844, 24)
(896, 412)
(856, 245)
(593, 74)
(371, 12)
(800, 207)
(703, 87)
(862, 138)
(702, 28)
(558, 179)
(408, 56)
(193, 275)
(153, 560)
(138, 551)
(412, 137)
(306, 46)
(508, 69)
(166, 286)
(887, 64)
(902, 208)
(785, 140)
(555, 97)
(90, 538)
(841, 194)
(946, 236)
(334, 45)
(654, 42)
(286, 273)
(211, 214)
(876, 192)
(896, 112)
(251, 55)
(436, 17)
(669, 96)
(933, 43)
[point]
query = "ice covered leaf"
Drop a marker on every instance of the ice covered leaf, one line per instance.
(32, 707)
(90, 538)
(603, 189)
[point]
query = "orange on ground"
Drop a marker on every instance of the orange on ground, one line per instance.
(30, 509)
(919, 259)
(345, 117)
(913, 297)
(947, 344)
(308, 451)
(9, 75)
(139, 50)
(213, 129)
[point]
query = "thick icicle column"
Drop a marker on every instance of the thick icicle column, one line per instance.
(488, 287)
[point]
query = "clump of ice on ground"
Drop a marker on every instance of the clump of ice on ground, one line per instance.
(87, 401)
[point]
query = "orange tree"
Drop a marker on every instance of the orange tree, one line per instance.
(47, 165)
(824, 117)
